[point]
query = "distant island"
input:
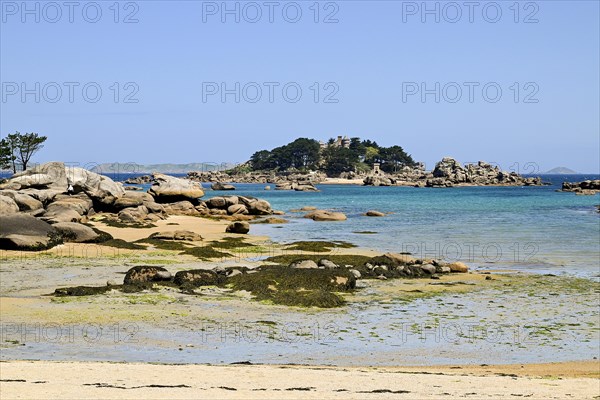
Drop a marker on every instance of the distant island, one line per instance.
(561, 171)
(334, 157)
(135, 168)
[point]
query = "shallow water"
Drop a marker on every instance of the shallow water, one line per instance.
(531, 228)
(495, 326)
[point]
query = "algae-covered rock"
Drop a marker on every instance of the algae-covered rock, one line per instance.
(297, 287)
(145, 273)
(196, 277)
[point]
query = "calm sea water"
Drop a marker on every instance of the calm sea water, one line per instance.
(533, 228)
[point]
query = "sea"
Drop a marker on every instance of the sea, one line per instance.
(533, 228)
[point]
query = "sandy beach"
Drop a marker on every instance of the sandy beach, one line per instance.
(32, 380)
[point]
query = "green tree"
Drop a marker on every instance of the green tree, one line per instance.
(371, 155)
(17, 149)
(303, 153)
(7, 160)
(338, 160)
(358, 148)
(393, 158)
(261, 160)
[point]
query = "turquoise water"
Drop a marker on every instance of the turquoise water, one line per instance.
(532, 228)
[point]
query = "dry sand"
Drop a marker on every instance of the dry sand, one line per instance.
(339, 181)
(69, 380)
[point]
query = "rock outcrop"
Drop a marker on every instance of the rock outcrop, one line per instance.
(41, 194)
(323, 215)
(8, 206)
(24, 232)
(589, 187)
(448, 173)
(222, 186)
(169, 189)
(234, 206)
(75, 232)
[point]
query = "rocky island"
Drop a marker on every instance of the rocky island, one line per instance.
(304, 163)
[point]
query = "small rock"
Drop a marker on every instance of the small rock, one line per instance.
(435, 276)
(322, 215)
(143, 273)
(110, 282)
(222, 186)
(382, 278)
(356, 273)
(240, 227)
(304, 264)
(327, 264)
(458, 267)
(446, 270)
(374, 213)
(428, 268)
(163, 276)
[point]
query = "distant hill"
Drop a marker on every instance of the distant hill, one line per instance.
(125, 168)
(561, 171)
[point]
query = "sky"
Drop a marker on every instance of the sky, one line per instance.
(511, 83)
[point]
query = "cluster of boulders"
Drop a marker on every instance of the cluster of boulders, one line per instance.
(304, 282)
(297, 186)
(283, 181)
(53, 194)
(390, 265)
(139, 180)
(589, 187)
(234, 205)
(222, 186)
(448, 173)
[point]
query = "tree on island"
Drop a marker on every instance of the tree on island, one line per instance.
(334, 157)
(16, 149)
(302, 154)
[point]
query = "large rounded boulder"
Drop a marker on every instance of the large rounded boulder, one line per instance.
(322, 215)
(24, 232)
(168, 189)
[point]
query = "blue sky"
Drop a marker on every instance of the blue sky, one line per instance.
(369, 67)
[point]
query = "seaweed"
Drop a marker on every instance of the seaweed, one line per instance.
(94, 290)
(231, 243)
(163, 244)
(102, 236)
(318, 246)
(119, 224)
(82, 290)
(296, 287)
(204, 253)
(122, 244)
